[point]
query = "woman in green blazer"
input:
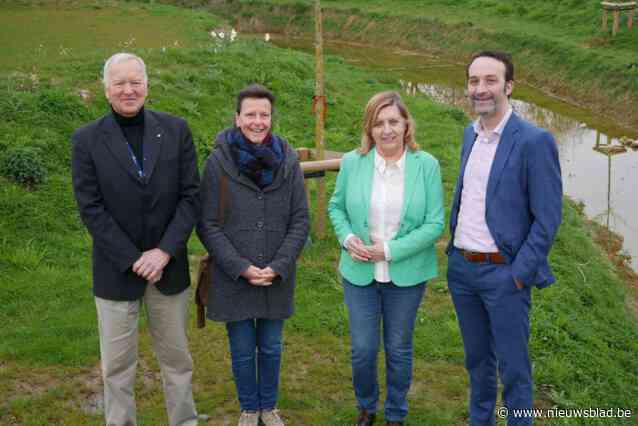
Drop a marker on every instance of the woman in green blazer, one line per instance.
(387, 212)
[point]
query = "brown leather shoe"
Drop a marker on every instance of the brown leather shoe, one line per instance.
(365, 418)
(395, 423)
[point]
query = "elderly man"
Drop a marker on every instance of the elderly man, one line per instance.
(136, 184)
(505, 214)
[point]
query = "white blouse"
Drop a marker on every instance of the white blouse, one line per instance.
(386, 204)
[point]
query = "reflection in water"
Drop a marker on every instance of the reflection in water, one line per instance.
(609, 148)
(597, 168)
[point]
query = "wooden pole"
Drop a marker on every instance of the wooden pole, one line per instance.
(304, 155)
(321, 165)
(320, 115)
(614, 29)
(630, 18)
(605, 20)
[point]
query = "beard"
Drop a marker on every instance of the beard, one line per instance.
(484, 107)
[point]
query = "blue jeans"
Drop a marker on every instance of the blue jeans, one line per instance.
(255, 349)
(494, 319)
(396, 307)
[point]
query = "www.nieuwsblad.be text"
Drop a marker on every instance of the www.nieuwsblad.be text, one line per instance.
(548, 413)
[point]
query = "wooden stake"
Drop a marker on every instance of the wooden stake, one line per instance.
(608, 190)
(320, 114)
(614, 29)
(304, 156)
(605, 20)
(597, 138)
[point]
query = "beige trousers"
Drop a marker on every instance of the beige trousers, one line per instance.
(118, 327)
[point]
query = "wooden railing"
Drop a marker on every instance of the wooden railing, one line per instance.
(314, 168)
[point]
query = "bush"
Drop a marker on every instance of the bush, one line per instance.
(24, 165)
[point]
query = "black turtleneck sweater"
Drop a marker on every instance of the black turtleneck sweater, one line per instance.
(133, 129)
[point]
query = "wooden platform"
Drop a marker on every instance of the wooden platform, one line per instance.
(616, 8)
(610, 149)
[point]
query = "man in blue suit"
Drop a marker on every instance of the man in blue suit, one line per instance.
(505, 214)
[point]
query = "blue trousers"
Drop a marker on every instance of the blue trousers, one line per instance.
(255, 349)
(396, 306)
(493, 315)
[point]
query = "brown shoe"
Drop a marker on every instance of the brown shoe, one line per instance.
(365, 418)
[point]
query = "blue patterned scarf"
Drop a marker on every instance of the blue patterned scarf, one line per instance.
(258, 161)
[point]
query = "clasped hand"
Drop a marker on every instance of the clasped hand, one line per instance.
(363, 253)
(150, 265)
(258, 276)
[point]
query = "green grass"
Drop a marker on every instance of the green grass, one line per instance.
(583, 342)
(575, 18)
(557, 46)
(50, 34)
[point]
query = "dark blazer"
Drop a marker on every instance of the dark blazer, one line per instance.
(524, 198)
(126, 214)
(266, 227)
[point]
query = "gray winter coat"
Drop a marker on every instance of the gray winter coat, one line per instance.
(266, 227)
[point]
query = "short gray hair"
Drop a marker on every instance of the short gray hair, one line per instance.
(118, 58)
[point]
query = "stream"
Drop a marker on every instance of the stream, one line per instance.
(597, 168)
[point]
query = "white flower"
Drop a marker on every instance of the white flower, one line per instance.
(233, 34)
(267, 37)
(213, 34)
(221, 34)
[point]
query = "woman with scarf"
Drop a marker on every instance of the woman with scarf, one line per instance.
(254, 225)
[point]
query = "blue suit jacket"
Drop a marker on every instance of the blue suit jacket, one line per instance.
(524, 198)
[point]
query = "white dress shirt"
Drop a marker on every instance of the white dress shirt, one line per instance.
(472, 232)
(386, 204)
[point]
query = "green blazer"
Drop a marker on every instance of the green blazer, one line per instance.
(422, 219)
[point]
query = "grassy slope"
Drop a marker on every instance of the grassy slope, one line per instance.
(583, 342)
(558, 46)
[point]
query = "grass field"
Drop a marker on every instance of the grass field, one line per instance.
(52, 35)
(584, 342)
